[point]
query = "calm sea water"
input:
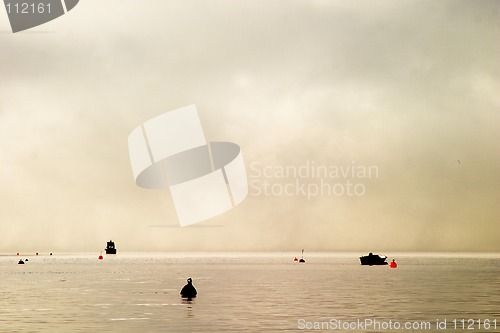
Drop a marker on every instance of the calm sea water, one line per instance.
(247, 293)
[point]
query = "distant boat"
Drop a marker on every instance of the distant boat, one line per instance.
(373, 259)
(110, 247)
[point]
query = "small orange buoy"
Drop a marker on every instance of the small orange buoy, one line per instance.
(393, 264)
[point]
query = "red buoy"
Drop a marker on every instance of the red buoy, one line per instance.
(100, 257)
(295, 259)
(393, 264)
(17, 254)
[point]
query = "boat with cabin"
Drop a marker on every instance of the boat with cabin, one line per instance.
(110, 247)
(373, 259)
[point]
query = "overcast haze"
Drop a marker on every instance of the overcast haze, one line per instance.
(411, 87)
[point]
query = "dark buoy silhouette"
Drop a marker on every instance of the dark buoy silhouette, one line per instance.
(17, 254)
(188, 291)
(302, 258)
(26, 259)
(393, 264)
(21, 262)
(50, 253)
(37, 253)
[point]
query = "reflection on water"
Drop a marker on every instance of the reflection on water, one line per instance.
(260, 292)
(189, 312)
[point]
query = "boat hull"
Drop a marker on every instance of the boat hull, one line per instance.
(373, 260)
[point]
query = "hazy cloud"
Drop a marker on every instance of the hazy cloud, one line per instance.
(408, 86)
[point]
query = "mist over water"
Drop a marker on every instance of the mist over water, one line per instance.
(364, 126)
(407, 87)
(252, 292)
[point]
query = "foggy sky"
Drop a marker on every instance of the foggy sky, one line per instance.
(410, 87)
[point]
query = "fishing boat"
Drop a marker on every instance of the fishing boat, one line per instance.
(110, 247)
(373, 259)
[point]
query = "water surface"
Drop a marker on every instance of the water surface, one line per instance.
(257, 292)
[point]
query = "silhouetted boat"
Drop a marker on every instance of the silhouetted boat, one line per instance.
(110, 247)
(373, 259)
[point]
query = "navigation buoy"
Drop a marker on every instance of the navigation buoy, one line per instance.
(100, 256)
(37, 253)
(295, 259)
(188, 291)
(302, 258)
(393, 264)
(17, 254)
